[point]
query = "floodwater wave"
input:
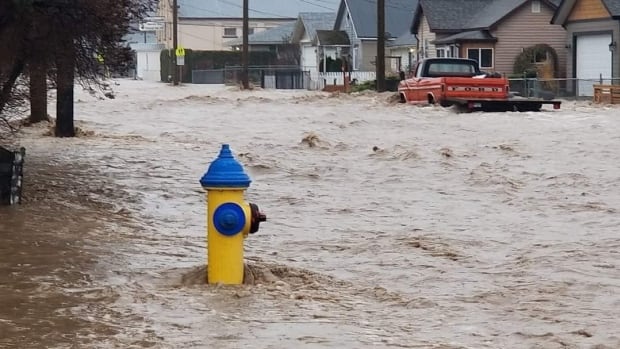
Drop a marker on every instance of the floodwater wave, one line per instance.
(389, 225)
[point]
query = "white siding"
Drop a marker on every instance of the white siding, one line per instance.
(426, 37)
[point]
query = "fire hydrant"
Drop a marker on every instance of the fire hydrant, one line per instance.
(229, 218)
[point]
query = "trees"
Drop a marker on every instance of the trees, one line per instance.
(62, 39)
(12, 62)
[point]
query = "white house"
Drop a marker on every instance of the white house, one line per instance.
(305, 35)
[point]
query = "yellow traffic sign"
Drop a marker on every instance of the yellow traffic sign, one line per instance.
(180, 51)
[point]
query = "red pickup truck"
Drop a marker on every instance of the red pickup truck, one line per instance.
(459, 81)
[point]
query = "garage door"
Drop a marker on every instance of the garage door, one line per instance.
(593, 60)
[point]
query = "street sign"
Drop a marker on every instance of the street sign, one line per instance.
(151, 26)
(180, 52)
(180, 60)
(154, 19)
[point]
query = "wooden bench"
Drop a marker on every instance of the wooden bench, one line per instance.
(609, 94)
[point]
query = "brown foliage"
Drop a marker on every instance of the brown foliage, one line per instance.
(40, 30)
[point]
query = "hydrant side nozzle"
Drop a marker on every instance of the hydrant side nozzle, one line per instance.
(256, 218)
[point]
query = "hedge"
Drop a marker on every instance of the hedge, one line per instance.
(196, 60)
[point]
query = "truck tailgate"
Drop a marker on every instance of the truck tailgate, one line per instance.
(491, 88)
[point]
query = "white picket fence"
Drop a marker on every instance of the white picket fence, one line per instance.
(320, 80)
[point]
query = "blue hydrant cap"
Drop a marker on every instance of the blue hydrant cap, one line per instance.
(225, 171)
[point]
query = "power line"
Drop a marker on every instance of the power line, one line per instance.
(318, 5)
(253, 10)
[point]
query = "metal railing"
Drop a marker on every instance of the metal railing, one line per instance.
(231, 75)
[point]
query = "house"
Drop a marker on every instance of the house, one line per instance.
(312, 49)
(207, 25)
(493, 32)
(404, 48)
(592, 37)
(358, 18)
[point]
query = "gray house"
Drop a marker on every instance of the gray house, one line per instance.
(592, 39)
(358, 18)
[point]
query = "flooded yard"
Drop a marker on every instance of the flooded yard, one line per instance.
(389, 225)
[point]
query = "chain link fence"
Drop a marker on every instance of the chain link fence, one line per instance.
(558, 88)
(280, 77)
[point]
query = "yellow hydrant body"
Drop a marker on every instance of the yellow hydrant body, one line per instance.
(224, 253)
(229, 218)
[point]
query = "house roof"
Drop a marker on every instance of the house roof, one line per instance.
(272, 36)
(310, 22)
(457, 15)
(398, 16)
(332, 38)
(565, 7)
(407, 39)
(257, 9)
(472, 35)
(613, 6)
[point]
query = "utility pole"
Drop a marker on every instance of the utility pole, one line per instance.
(175, 42)
(245, 79)
(380, 64)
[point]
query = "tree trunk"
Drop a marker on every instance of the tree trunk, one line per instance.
(7, 87)
(65, 65)
(38, 92)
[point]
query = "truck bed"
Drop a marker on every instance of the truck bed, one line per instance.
(501, 105)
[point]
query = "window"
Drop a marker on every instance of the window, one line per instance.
(250, 31)
(484, 56)
(230, 32)
(536, 6)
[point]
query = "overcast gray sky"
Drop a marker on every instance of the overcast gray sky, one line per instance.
(258, 8)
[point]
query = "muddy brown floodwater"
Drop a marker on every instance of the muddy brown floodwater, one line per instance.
(389, 225)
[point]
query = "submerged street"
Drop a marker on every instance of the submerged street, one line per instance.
(389, 225)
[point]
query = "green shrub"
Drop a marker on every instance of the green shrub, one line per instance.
(196, 60)
(526, 61)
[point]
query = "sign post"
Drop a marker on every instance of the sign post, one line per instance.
(180, 58)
